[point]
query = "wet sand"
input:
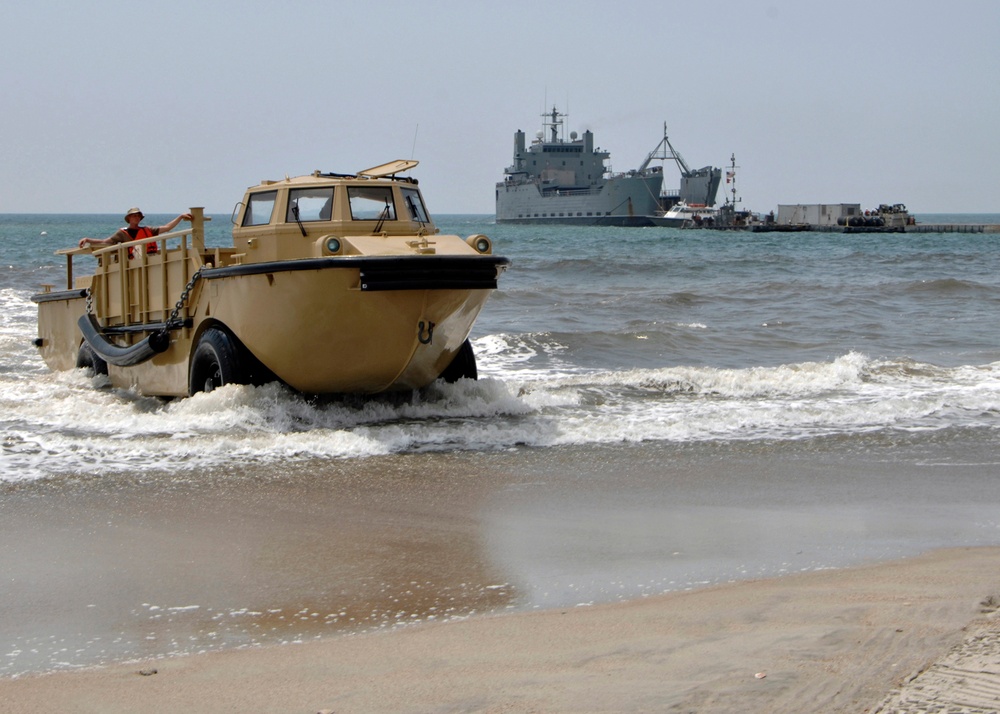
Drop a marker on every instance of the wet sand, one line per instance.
(512, 581)
(829, 641)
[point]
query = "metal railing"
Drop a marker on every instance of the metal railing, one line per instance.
(132, 286)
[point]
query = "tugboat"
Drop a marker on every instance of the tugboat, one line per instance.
(335, 283)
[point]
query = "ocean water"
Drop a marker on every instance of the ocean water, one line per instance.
(635, 385)
(597, 335)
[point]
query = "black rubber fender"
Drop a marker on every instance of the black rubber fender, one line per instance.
(117, 355)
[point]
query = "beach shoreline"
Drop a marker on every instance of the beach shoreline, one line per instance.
(824, 641)
(132, 566)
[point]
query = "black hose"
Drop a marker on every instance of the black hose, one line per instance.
(119, 356)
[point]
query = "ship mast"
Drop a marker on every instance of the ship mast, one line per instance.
(554, 124)
(731, 179)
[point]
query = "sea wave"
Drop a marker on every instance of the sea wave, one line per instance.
(71, 424)
(693, 351)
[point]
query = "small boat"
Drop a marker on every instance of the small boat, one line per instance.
(685, 215)
(334, 283)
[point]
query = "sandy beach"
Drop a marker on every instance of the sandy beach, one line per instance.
(718, 581)
(839, 640)
(688, 463)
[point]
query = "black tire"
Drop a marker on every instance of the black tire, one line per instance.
(86, 358)
(218, 360)
(462, 366)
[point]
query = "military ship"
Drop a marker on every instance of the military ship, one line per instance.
(558, 181)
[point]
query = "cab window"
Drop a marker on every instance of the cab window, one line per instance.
(415, 205)
(259, 208)
(309, 204)
(371, 203)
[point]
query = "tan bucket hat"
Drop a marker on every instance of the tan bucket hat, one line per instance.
(132, 210)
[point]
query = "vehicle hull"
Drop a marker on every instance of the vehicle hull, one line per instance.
(316, 329)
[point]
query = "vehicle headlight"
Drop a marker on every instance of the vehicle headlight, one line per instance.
(480, 243)
(333, 245)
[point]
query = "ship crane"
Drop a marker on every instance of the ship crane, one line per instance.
(698, 186)
(665, 151)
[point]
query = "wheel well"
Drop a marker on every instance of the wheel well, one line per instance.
(257, 372)
(202, 328)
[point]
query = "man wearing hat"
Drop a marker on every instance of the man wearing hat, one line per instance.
(133, 231)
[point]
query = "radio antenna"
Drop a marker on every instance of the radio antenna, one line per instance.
(414, 149)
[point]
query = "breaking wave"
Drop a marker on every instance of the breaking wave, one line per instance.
(72, 424)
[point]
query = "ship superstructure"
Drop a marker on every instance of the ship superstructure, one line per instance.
(555, 180)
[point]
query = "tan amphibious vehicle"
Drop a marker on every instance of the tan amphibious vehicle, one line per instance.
(335, 283)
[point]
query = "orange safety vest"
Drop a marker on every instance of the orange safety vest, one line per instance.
(140, 233)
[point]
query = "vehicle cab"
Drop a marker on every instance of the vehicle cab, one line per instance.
(373, 212)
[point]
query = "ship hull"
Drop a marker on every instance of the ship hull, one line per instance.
(625, 201)
(669, 222)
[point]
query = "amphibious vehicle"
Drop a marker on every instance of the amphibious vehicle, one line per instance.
(334, 283)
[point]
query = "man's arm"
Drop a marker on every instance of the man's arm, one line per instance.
(119, 236)
(167, 227)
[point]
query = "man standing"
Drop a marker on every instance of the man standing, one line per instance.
(133, 231)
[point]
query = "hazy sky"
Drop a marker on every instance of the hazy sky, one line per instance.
(168, 105)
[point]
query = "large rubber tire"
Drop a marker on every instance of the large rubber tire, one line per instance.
(86, 358)
(218, 360)
(462, 366)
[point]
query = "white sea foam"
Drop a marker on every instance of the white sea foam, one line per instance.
(529, 393)
(69, 423)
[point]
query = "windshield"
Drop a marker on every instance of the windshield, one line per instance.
(312, 204)
(415, 205)
(371, 203)
(259, 209)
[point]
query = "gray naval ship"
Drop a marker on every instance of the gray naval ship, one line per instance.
(558, 181)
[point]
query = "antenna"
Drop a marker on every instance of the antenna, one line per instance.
(731, 178)
(414, 149)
